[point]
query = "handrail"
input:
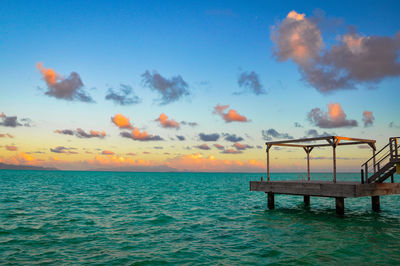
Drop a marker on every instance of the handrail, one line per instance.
(376, 154)
(392, 153)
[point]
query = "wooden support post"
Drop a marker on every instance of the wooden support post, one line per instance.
(362, 176)
(307, 201)
(391, 148)
(308, 151)
(339, 205)
(308, 166)
(366, 173)
(271, 201)
(374, 160)
(392, 179)
(268, 147)
(334, 163)
(376, 206)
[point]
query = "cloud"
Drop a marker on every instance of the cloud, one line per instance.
(203, 147)
(230, 116)
(164, 122)
(273, 134)
(353, 60)
(232, 137)
(335, 117)
(11, 148)
(219, 146)
(136, 134)
(6, 135)
(209, 137)
(312, 133)
(393, 125)
(231, 151)
(106, 152)
(62, 149)
(124, 96)
(181, 138)
(70, 88)
(249, 81)
(121, 121)
(368, 118)
(80, 133)
(191, 124)
(170, 90)
(12, 121)
(242, 147)
(296, 124)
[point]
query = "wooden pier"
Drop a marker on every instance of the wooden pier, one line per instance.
(374, 172)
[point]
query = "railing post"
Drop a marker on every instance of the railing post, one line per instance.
(391, 148)
(362, 176)
(366, 173)
(268, 147)
(396, 148)
(334, 162)
(374, 160)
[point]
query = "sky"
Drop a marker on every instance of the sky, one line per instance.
(195, 85)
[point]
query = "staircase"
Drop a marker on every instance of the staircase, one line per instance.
(382, 164)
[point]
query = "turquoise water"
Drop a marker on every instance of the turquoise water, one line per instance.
(184, 218)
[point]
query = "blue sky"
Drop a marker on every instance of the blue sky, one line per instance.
(209, 44)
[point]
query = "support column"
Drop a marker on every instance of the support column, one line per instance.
(308, 150)
(271, 201)
(339, 205)
(334, 164)
(376, 205)
(307, 201)
(268, 147)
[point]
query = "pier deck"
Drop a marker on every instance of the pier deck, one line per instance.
(383, 165)
(318, 188)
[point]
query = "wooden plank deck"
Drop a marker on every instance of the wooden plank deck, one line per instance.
(325, 188)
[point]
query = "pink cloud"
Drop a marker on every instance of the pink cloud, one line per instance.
(229, 116)
(164, 122)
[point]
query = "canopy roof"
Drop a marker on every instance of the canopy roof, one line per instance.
(321, 142)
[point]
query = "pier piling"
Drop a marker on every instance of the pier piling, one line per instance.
(376, 205)
(307, 200)
(271, 200)
(339, 205)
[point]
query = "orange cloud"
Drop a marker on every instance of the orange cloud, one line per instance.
(219, 146)
(136, 134)
(105, 152)
(335, 117)
(11, 148)
(98, 133)
(297, 38)
(368, 118)
(240, 146)
(121, 121)
(230, 116)
(231, 151)
(164, 122)
(49, 75)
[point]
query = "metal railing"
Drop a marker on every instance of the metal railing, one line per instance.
(380, 159)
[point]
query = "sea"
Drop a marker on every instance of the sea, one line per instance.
(125, 218)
